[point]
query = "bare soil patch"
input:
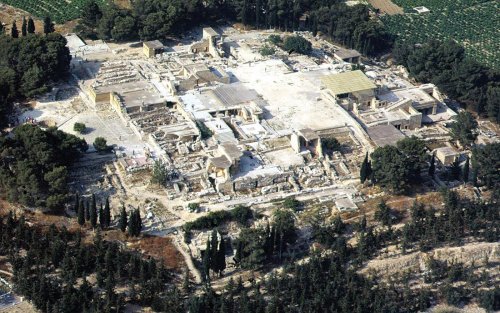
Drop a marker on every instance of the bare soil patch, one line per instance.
(160, 248)
(386, 6)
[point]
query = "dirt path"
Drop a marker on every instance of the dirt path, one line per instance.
(183, 248)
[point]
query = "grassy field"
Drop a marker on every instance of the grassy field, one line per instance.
(472, 23)
(59, 10)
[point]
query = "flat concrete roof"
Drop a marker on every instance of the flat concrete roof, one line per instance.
(308, 134)
(447, 151)
(210, 31)
(74, 41)
(135, 93)
(231, 150)
(383, 135)
(220, 162)
(234, 94)
(182, 129)
(415, 94)
(347, 82)
(154, 44)
(196, 67)
(347, 53)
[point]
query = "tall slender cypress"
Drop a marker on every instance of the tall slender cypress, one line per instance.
(122, 224)
(81, 213)
(77, 203)
(31, 26)
(87, 211)
(365, 168)
(93, 213)
(102, 223)
(432, 166)
(14, 32)
(24, 28)
(214, 266)
(221, 256)
(465, 171)
(48, 26)
(107, 213)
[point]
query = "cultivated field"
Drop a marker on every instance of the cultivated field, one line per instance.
(386, 6)
(473, 23)
(59, 10)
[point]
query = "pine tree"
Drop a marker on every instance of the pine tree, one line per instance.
(31, 26)
(48, 26)
(364, 172)
(81, 213)
(383, 214)
(93, 213)
(1, 29)
(432, 166)
(122, 224)
(24, 30)
(14, 32)
(107, 213)
(465, 171)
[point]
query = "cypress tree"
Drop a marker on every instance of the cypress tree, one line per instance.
(364, 171)
(474, 175)
(239, 251)
(369, 170)
(93, 213)
(87, 211)
(24, 30)
(31, 26)
(48, 26)
(205, 270)
(432, 166)
(107, 213)
(185, 285)
(214, 266)
(131, 224)
(81, 213)
(1, 29)
(77, 203)
(135, 223)
(138, 222)
(465, 171)
(221, 256)
(13, 32)
(101, 217)
(122, 224)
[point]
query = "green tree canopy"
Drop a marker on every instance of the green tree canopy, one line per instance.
(391, 169)
(101, 145)
(33, 164)
(297, 44)
(464, 129)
